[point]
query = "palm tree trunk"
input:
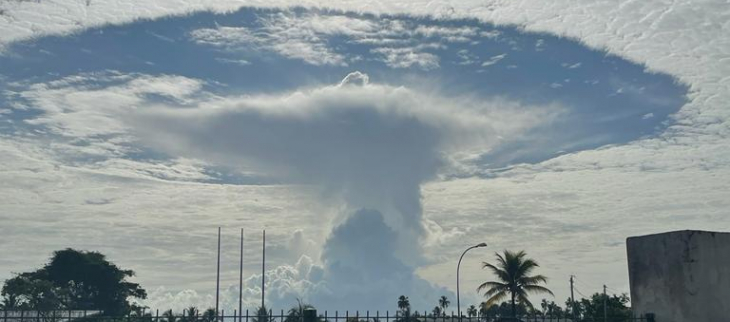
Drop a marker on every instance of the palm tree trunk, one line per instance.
(514, 308)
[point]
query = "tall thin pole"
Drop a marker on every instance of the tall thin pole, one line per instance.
(263, 270)
(240, 281)
(572, 298)
(605, 306)
(218, 273)
(458, 300)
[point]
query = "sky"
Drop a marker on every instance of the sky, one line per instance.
(374, 141)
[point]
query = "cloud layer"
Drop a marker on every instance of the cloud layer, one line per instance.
(674, 181)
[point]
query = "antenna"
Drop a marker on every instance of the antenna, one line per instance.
(218, 273)
(240, 281)
(263, 270)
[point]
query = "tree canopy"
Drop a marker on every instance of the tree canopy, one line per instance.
(513, 282)
(617, 307)
(73, 280)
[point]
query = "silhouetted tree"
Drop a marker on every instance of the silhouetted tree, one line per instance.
(190, 314)
(513, 280)
(471, 311)
(404, 305)
(444, 303)
(436, 311)
(76, 280)
(27, 291)
(262, 315)
(500, 312)
(591, 309)
(209, 315)
(551, 309)
(296, 313)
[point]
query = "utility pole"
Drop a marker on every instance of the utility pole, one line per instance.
(240, 282)
(218, 274)
(605, 304)
(572, 299)
(263, 271)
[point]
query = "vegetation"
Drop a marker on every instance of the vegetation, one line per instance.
(444, 304)
(73, 280)
(296, 313)
(262, 315)
(79, 280)
(436, 311)
(513, 281)
(590, 309)
(471, 311)
(404, 305)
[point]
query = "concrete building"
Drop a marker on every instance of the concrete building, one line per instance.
(681, 276)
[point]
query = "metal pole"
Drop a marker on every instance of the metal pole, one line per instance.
(572, 299)
(458, 299)
(240, 281)
(263, 270)
(605, 305)
(218, 274)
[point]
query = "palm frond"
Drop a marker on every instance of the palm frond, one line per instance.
(493, 287)
(533, 280)
(496, 298)
(536, 289)
(501, 273)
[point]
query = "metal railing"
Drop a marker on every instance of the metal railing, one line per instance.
(283, 316)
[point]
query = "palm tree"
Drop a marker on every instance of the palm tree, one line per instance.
(404, 304)
(209, 315)
(512, 271)
(444, 303)
(436, 311)
(262, 315)
(190, 314)
(471, 311)
(296, 313)
(483, 311)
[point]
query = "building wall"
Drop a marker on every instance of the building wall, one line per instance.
(681, 276)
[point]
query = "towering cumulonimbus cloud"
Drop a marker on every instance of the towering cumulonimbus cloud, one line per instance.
(368, 146)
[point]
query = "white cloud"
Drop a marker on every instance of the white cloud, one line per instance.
(306, 36)
(684, 38)
(240, 62)
(288, 41)
(407, 57)
(493, 60)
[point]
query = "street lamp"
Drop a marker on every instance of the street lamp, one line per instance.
(458, 303)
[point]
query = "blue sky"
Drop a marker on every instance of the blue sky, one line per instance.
(400, 138)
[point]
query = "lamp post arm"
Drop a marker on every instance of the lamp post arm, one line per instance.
(458, 265)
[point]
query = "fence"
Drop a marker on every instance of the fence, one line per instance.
(46, 316)
(282, 316)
